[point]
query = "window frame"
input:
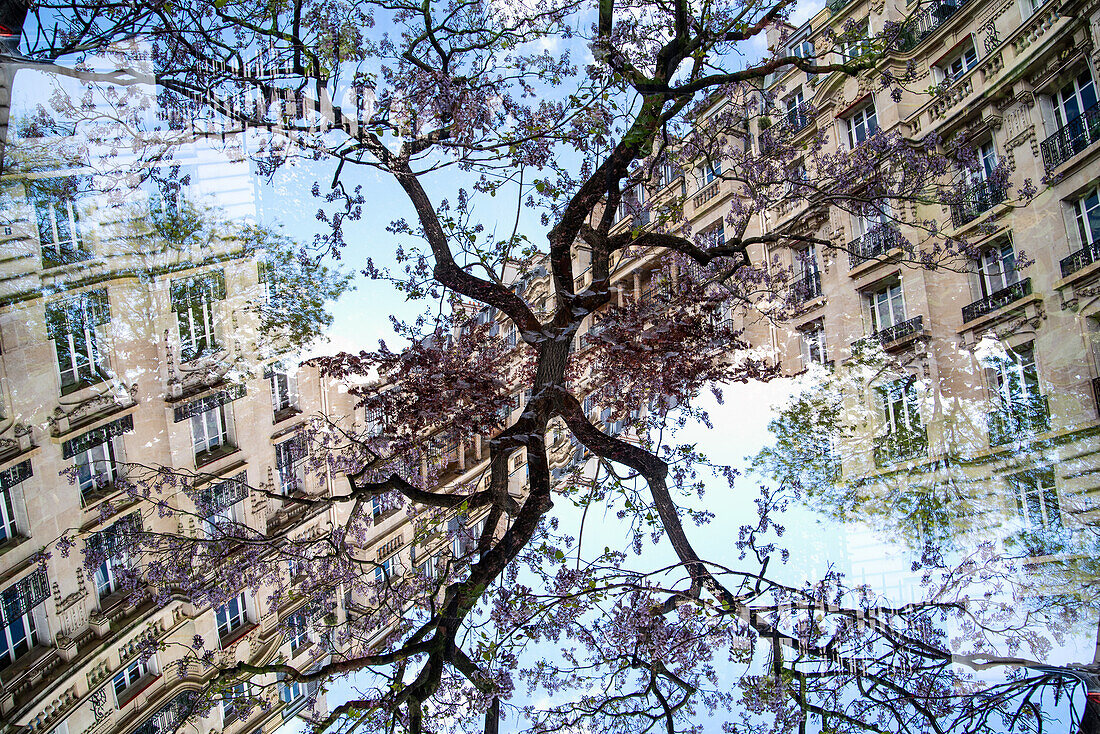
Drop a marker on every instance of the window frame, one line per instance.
(812, 340)
(965, 55)
(1087, 218)
(9, 518)
(1059, 101)
(197, 325)
(31, 638)
(1006, 274)
(98, 467)
(894, 295)
(858, 118)
(201, 422)
(899, 407)
(130, 679)
(1046, 498)
(232, 621)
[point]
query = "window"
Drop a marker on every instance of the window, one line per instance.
(10, 479)
(806, 261)
(958, 64)
(997, 269)
(709, 171)
(222, 520)
(97, 468)
(857, 42)
(861, 124)
(72, 325)
(1074, 98)
(1086, 213)
(1037, 499)
(223, 503)
(795, 110)
(383, 571)
(107, 579)
(901, 411)
(196, 325)
(19, 609)
(283, 398)
(987, 163)
(297, 630)
(108, 552)
(232, 707)
(209, 431)
(667, 173)
(813, 344)
(128, 678)
(194, 301)
(633, 198)
(57, 214)
(231, 616)
(289, 691)
(288, 461)
(803, 49)
(887, 307)
(1016, 378)
(7, 516)
(713, 236)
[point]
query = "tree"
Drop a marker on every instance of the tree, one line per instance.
(468, 90)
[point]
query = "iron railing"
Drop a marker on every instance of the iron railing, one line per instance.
(1024, 417)
(876, 242)
(931, 17)
(998, 299)
(900, 446)
(1072, 138)
(901, 330)
(806, 286)
(978, 198)
(1078, 260)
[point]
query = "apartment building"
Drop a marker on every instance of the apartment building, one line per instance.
(985, 370)
(125, 347)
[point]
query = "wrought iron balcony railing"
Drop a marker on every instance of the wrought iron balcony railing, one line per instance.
(876, 242)
(996, 300)
(931, 17)
(979, 198)
(1078, 260)
(1072, 138)
(806, 286)
(901, 330)
(1024, 417)
(900, 446)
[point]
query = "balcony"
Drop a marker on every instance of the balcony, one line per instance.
(998, 299)
(978, 198)
(928, 20)
(1078, 260)
(705, 194)
(1027, 416)
(877, 242)
(806, 287)
(900, 446)
(899, 331)
(1077, 134)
